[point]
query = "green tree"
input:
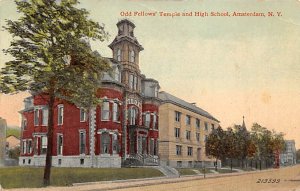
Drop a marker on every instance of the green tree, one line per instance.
(214, 145)
(52, 57)
(230, 144)
(14, 153)
(244, 147)
(267, 142)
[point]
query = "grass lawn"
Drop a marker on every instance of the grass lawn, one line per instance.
(26, 177)
(207, 171)
(186, 171)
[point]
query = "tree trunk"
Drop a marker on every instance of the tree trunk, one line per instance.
(216, 167)
(47, 170)
(231, 164)
(251, 164)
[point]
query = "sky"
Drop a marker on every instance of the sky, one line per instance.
(230, 66)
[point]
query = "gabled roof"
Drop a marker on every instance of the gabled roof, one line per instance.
(168, 98)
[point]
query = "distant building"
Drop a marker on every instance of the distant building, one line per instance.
(184, 128)
(288, 156)
(2, 140)
(12, 142)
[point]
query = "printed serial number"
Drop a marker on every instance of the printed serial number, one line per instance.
(268, 180)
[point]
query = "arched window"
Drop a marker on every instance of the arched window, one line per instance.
(105, 143)
(132, 115)
(119, 55)
(132, 56)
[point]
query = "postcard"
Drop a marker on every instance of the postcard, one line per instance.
(150, 95)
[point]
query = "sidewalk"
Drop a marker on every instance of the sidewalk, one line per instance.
(117, 184)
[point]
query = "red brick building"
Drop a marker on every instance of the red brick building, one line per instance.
(124, 128)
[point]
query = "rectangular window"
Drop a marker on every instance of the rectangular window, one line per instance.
(131, 81)
(59, 144)
(188, 135)
(24, 123)
(135, 83)
(147, 120)
(24, 144)
(36, 116)
(115, 112)
(178, 149)
(45, 116)
(198, 123)
(44, 142)
(154, 124)
(198, 137)
(105, 111)
(177, 116)
(29, 147)
(36, 144)
(206, 126)
(82, 142)
(190, 151)
(82, 115)
(188, 120)
(60, 114)
(177, 132)
(212, 126)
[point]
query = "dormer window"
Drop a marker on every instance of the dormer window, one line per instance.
(119, 55)
(132, 56)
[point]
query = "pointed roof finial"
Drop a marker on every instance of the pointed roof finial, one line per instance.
(244, 122)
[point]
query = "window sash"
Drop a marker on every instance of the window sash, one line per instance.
(177, 116)
(197, 123)
(45, 116)
(147, 120)
(82, 142)
(36, 117)
(105, 111)
(119, 55)
(131, 83)
(115, 112)
(59, 145)
(44, 142)
(154, 122)
(177, 132)
(60, 115)
(82, 115)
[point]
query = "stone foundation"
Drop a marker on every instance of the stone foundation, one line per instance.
(73, 161)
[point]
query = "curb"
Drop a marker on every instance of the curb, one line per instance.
(164, 180)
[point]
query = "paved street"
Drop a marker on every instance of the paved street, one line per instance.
(289, 180)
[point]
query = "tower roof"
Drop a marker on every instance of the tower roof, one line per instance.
(126, 21)
(124, 34)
